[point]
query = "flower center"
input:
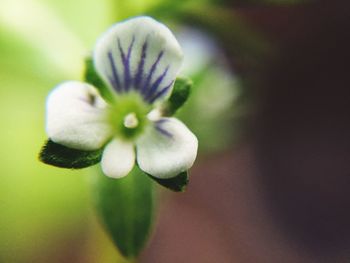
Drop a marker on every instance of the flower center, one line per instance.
(131, 121)
(128, 116)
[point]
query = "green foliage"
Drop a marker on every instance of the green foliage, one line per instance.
(64, 157)
(180, 94)
(126, 208)
(93, 78)
(176, 184)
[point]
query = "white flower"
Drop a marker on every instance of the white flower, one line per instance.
(138, 59)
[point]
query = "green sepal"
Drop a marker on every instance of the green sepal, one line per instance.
(93, 78)
(179, 95)
(61, 156)
(126, 209)
(176, 184)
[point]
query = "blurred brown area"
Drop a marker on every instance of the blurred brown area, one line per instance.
(283, 194)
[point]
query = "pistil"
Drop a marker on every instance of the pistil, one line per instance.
(131, 121)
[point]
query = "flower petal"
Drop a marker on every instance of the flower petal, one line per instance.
(76, 116)
(167, 149)
(118, 158)
(139, 54)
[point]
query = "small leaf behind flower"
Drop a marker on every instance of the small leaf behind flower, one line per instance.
(94, 79)
(179, 95)
(176, 184)
(126, 207)
(64, 157)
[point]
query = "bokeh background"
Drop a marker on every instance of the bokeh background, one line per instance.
(270, 105)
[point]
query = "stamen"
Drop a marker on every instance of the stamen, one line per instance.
(131, 121)
(154, 115)
(91, 99)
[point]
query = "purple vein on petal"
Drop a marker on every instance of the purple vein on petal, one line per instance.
(140, 68)
(126, 62)
(151, 72)
(161, 129)
(115, 78)
(153, 89)
(161, 93)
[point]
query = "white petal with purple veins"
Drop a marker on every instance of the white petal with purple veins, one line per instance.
(118, 158)
(167, 149)
(76, 116)
(139, 54)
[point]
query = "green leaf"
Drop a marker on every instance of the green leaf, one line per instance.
(91, 76)
(64, 157)
(126, 206)
(180, 94)
(176, 184)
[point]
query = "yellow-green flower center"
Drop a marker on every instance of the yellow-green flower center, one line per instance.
(128, 116)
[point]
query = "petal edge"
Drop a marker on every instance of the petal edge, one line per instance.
(118, 158)
(76, 117)
(167, 150)
(139, 54)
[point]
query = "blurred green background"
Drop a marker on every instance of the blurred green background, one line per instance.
(46, 212)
